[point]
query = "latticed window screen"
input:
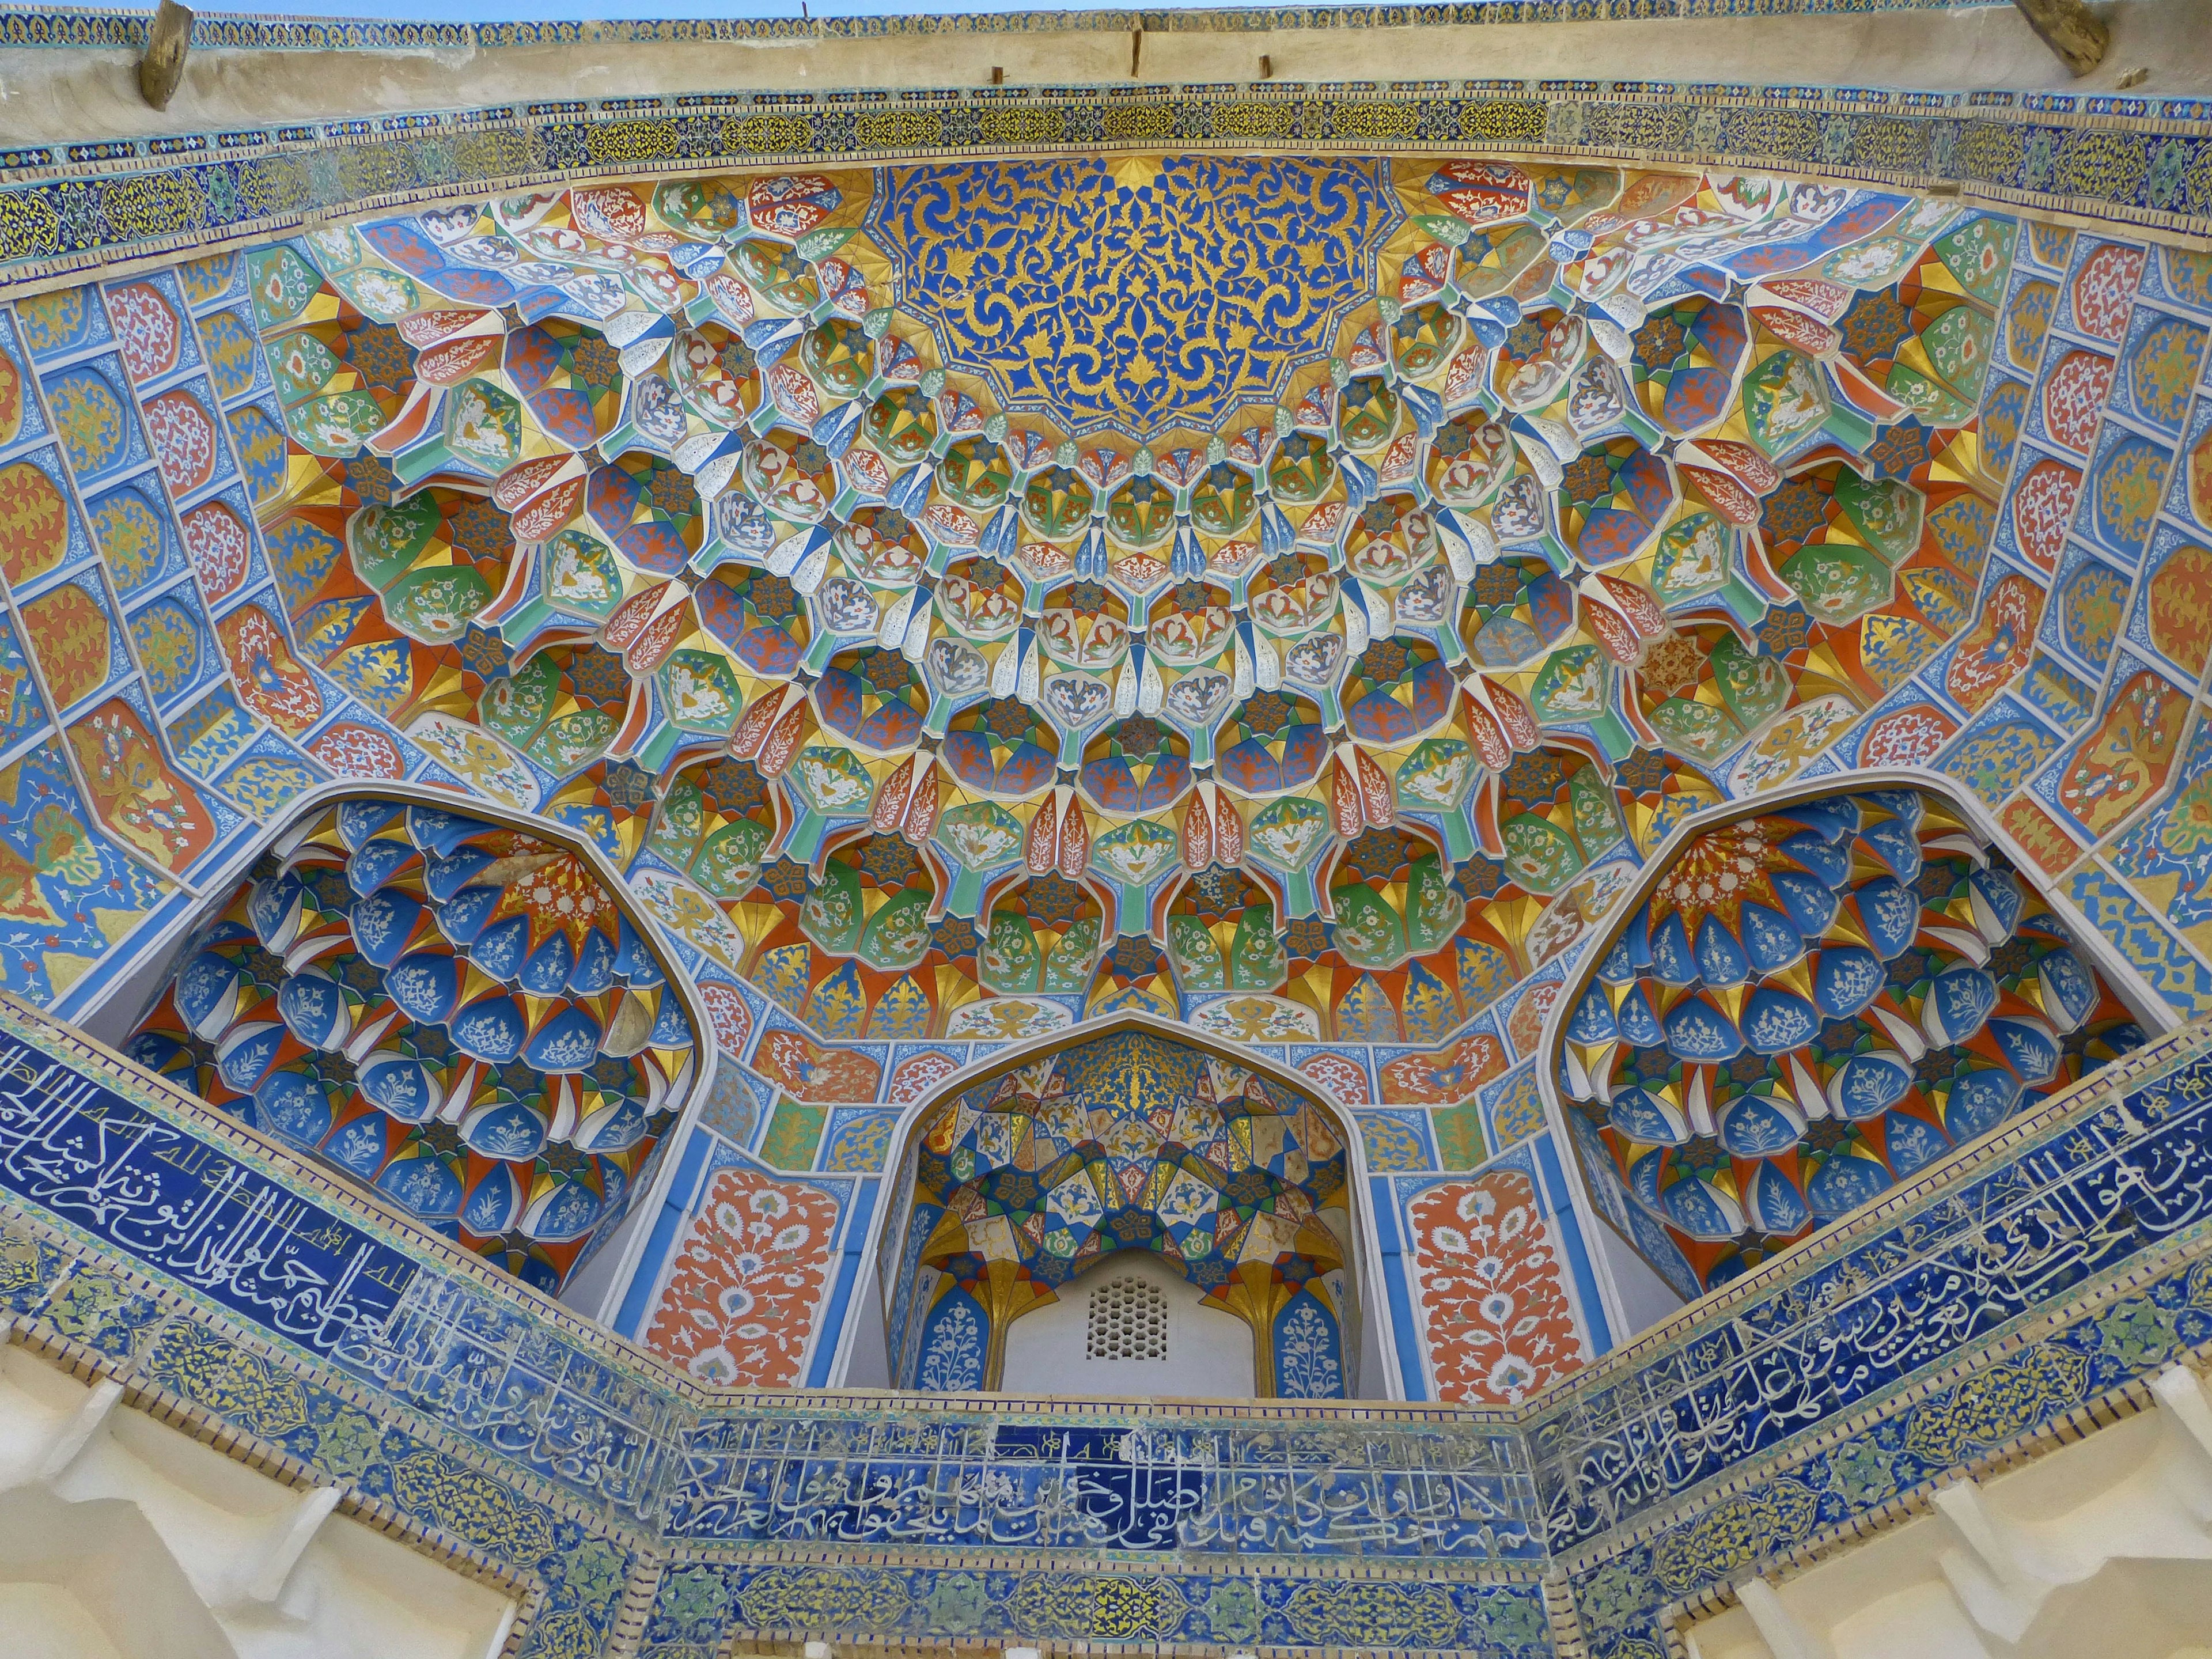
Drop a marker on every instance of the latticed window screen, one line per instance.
(1128, 1321)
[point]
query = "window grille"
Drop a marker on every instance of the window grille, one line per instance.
(1128, 1321)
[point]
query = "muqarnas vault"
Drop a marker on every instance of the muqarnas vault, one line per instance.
(1433, 900)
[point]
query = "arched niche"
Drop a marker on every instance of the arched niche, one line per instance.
(462, 1009)
(1020, 1182)
(1806, 999)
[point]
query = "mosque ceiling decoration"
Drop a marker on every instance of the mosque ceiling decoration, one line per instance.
(1129, 293)
(880, 565)
(1812, 1003)
(1326, 678)
(1128, 1140)
(462, 1016)
(644, 508)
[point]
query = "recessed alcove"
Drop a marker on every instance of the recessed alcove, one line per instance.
(1230, 1198)
(1131, 1325)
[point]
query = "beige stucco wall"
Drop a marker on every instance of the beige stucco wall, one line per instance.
(54, 94)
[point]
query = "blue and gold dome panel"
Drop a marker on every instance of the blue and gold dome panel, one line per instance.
(1116, 519)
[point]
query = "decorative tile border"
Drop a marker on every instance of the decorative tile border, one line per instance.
(478, 1418)
(2142, 162)
(69, 28)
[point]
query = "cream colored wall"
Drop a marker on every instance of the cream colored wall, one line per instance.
(2099, 1549)
(54, 95)
(122, 1538)
(1209, 1351)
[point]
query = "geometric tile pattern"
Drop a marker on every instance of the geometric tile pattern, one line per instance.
(954, 674)
(1127, 1141)
(314, 569)
(1314, 667)
(533, 1443)
(1317, 683)
(1813, 1003)
(317, 579)
(460, 1015)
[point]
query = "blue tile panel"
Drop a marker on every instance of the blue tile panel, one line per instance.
(1454, 1493)
(472, 1405)
(176, 1205)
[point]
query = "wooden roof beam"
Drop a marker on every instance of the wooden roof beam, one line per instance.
(168, 38)
(2069, 29)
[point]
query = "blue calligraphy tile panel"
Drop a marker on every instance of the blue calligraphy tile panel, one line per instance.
(562, 1457)
(1455, 1491)
(1949, 1269)
(500, 1378)
(184, 1209)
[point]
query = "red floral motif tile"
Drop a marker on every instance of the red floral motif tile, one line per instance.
(741, 1303)
(917, 1075)
(1495, 1317)
(2074, 397)
(1909, 737)
(654, 644)
(813, 1073)
(147, 329)
(1446, 1077)
(2041, 507)
(1795, 328)
(1344, 1078)
(184, 441)
(358, 751)
(2104, 290)
(1481, 192)
(219, 547)
(791, 204)
(950, 525)
(550, 513)
(1997, 650)
(731, 1019)
(613, 213)
(793, 393)
(270, 681)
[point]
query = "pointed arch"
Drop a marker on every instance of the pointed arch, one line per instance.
(969, 1237)
(1807, 997)
(463, 1010)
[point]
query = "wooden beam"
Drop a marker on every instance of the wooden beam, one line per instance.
(2065, 26)
(168, 41)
